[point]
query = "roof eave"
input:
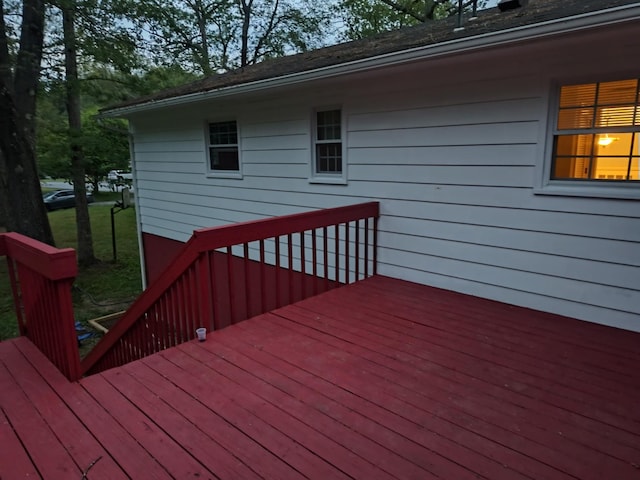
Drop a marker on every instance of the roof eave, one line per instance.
(487, 40)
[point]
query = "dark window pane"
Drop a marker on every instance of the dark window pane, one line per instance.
(329, 158)
(223, 133)
(224, 158)
(328, 125)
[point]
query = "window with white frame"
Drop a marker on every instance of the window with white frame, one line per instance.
(328, 142)
(596, 133)
(223, 147)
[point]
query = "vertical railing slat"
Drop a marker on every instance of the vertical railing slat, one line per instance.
(357, 254)
(290, 267)
(263, 284)
(314, 260)
(179, 309)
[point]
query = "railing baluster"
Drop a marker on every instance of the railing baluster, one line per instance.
(247, 286)
(337, 252)
(347, 267)
(263, 285)
(192, 287)
(325, 248)
(290, 266)
(314, 260)
(357, 254)
(366, 248)
(303, 267)
(277, 264)
(375, 246)
(232, 295)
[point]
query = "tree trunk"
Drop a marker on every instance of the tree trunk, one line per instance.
(4, 195)
(205, 60)
(83, 222)
(245, 7)
(26, 213)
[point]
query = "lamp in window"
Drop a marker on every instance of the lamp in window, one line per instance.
(605, 140)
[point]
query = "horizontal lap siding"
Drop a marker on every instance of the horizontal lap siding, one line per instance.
(452, 159)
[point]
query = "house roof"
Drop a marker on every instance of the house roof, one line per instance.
(431, 34)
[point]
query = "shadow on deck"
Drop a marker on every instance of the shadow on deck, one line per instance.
(378, 379)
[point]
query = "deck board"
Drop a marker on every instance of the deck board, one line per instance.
(380, 379)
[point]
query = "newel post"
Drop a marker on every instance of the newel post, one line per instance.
(41, 278)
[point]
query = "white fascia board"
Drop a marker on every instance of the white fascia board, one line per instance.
(583, 21)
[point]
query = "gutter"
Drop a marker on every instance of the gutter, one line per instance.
(557, 26)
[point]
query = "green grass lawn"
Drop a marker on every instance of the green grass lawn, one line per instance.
(101, 289)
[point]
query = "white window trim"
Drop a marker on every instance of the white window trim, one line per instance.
(328, 178)
(232, 174)
(544, 185)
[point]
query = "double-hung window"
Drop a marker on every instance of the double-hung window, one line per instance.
(223, 147)
(328, 161)
(596, 138)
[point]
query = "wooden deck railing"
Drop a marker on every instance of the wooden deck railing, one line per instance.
(226, 274)
(41, 278)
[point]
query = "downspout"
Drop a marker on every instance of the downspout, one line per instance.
(136, 202)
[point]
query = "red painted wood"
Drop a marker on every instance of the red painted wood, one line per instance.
(379, 379)
(212, 456)
(174, 458)
(539, 361)
(290, 282)
(158, 253)
(314, 261)
(314, 411)
(374, 269)
(473, 452)
(47, 454)
(366, 247)
(336, 247)
(325, 259)
(50, 262)
(289, 429)
(60, 420)
(14, 461)
(478, 416)
(357, 255)
(249, 454)
(240, 301)
(248, 419)
(41, 277)
(263, 279)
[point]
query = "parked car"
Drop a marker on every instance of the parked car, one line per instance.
(119, 176)
(62, 199)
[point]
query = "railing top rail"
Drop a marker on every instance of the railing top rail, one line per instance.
(254, 230)
(52, 263)
(210, 239)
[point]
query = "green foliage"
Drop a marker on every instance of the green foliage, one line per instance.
(364, 18)
(104, 141)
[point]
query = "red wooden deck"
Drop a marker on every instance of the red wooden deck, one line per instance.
(380, 379)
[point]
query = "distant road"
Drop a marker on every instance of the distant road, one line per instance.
(104, 187)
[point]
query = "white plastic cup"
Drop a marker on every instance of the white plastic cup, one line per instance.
(202, 334)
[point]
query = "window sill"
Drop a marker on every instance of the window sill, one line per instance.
(591, 190)
(337, 180)
(231, 175)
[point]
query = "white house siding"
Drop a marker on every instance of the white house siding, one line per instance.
(451, 148)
